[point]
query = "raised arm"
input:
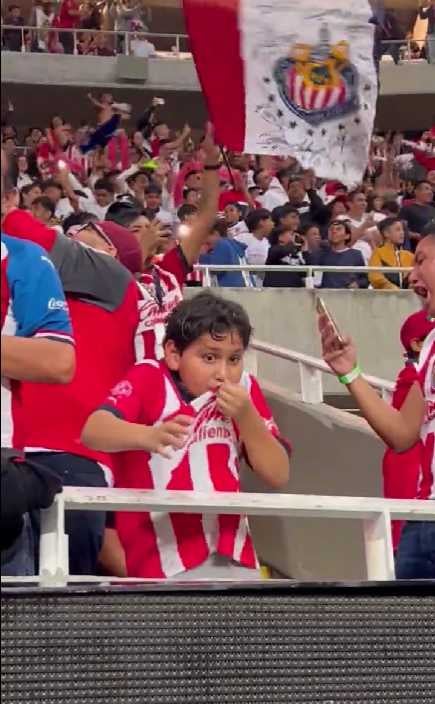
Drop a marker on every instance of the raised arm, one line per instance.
(399, 429)
(200, 229)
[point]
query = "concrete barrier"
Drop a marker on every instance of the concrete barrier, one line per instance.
(334, 453)
(286, 317)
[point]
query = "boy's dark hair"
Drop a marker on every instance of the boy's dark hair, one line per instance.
(386, 224)
(276, 233)
(80, 218)
(123, 213)
(392, 206)
(104, 184)
(153, 190)
(51, 183)
(255, 217)
(185, 210)
(205, 314)
(281, 211)
(45, 203)
(422, 182)
(30, 186)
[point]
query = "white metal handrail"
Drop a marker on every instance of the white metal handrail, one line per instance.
(311, 370)
(126, 35)
(308, 269)
(375, 513)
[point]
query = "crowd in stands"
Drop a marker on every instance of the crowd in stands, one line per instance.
(101, 20)
(99, 16)
(124, 215)
(271, 211)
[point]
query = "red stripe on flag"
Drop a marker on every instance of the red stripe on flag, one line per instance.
(215, 41)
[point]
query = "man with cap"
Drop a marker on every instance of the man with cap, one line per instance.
(96, 264)
(401, 469)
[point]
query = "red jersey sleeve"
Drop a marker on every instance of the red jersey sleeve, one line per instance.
(21, 224)
(262, 407)
(139, 396)
(404, 382)
(175, 262)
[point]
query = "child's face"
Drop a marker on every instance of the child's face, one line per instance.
(207, 363)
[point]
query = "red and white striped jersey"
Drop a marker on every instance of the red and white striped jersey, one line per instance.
(161, 291)
(163, 545)
(426, 370)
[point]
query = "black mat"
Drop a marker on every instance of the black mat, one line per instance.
(286, 645)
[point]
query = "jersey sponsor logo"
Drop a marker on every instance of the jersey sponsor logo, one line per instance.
(151, 313)
(57, 304)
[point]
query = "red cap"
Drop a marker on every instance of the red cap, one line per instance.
(332, 187)
(125, 243)
(416, 327)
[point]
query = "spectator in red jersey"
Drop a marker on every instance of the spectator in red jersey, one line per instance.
(180, 425)
(401, 470)
(102, 295)
(161, 284)
(401, 429)
(68, 17)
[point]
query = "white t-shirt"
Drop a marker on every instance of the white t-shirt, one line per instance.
(239, 228)
(365, 249)
(274, 197)
(142, 48)
(361, 245)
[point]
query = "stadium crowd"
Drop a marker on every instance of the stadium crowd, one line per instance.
(124, 216)
(99, 27)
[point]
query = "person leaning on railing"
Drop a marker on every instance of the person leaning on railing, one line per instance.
(391, 253)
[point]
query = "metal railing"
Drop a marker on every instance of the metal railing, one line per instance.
(404, 50)
(375, 513)
(311, 370)
(34, 38)
(41, 40)
(309, 270)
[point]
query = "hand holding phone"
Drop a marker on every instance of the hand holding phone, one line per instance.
(326, 320)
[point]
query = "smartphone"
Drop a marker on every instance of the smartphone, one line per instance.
(323, 310)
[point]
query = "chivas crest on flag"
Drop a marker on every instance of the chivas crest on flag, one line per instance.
(318, 83)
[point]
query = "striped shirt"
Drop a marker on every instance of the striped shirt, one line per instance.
(163, 545)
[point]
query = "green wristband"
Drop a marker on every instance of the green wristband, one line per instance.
(349, 378)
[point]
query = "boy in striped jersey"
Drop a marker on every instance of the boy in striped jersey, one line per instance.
(183, 424)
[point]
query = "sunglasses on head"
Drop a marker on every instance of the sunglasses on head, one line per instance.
(74, 231)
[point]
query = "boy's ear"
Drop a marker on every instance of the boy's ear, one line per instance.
(172, 356)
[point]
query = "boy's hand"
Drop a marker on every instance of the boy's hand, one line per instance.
(233, 401)
(171, 435)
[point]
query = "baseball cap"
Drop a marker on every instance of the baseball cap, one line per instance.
(416, 327)
(125, 243)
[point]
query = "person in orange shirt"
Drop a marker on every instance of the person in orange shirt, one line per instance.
(401, 470)
(391, 253)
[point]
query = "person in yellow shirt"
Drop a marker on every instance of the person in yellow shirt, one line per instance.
(391, 253)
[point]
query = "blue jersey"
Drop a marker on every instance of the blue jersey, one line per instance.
(32, 305)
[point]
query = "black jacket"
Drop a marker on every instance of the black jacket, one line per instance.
(285, 255)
